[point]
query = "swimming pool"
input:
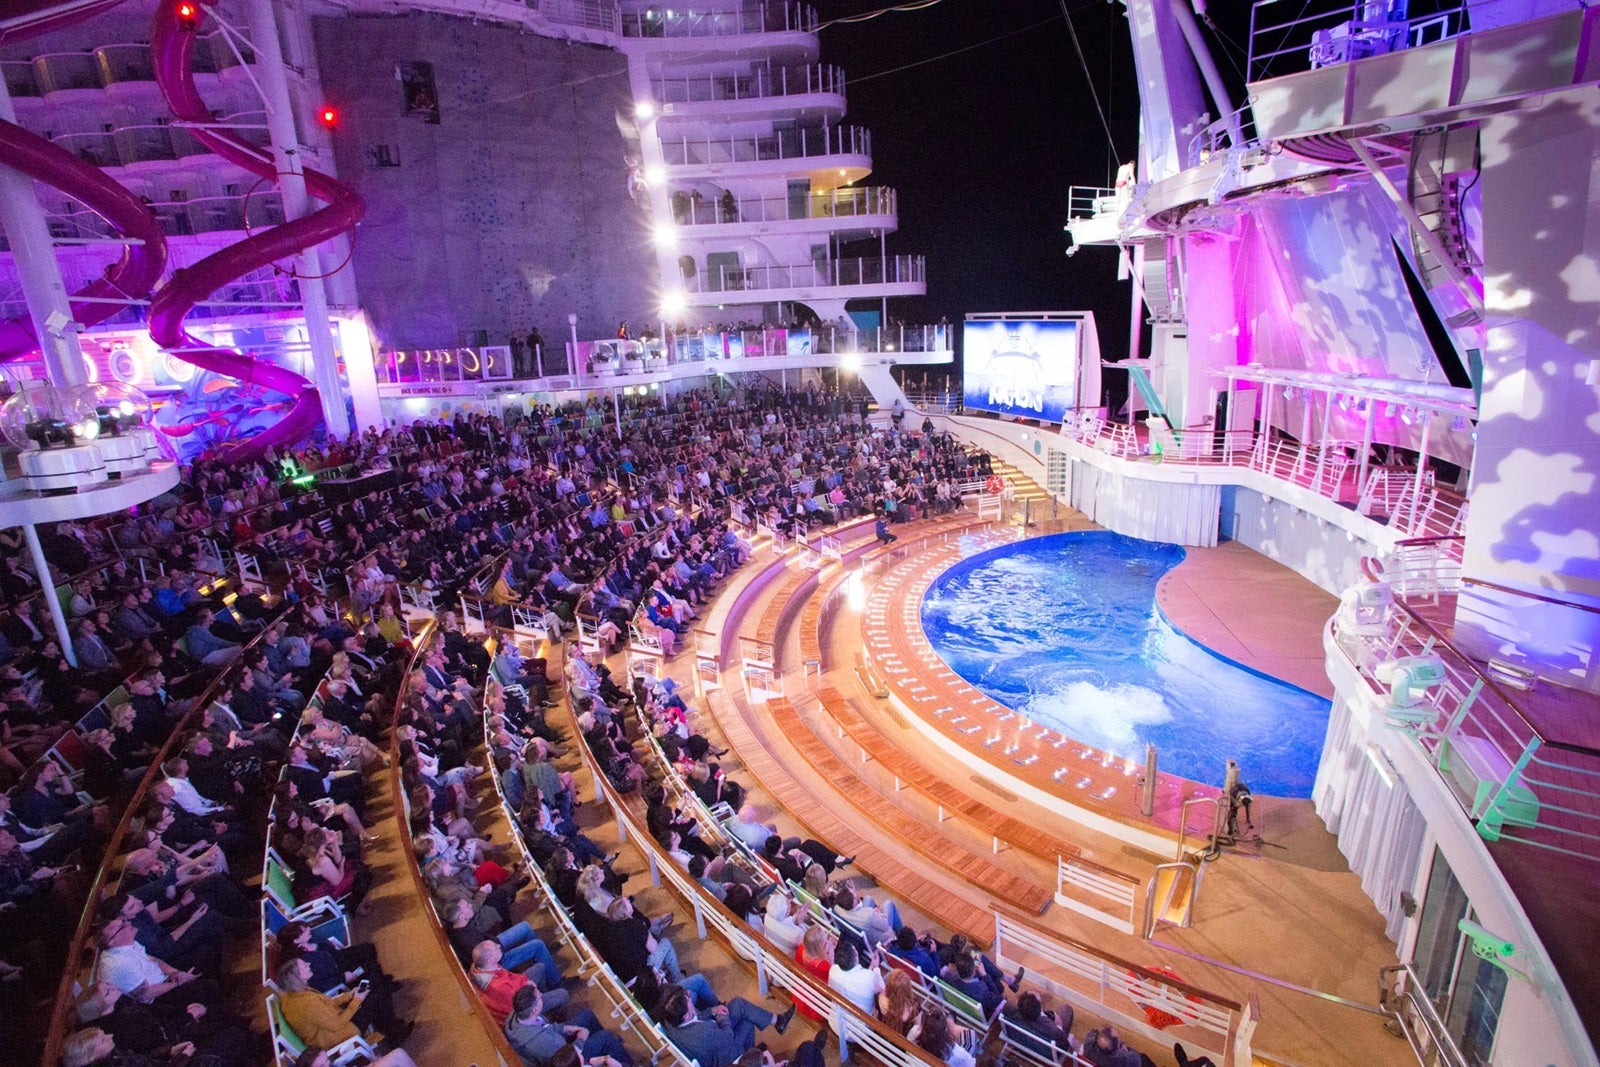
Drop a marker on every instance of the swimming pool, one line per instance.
(1065, 630)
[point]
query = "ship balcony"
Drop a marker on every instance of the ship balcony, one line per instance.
(178, 218)
(125, 68)
(843, 212)
(659, 21)
(718, 284)
(814, 90)
(829, 155)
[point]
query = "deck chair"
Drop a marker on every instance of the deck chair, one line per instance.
(968, 1010)
(287, 1046)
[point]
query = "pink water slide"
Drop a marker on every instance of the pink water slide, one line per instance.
(131, 276)
(172, 46)
(142, 263)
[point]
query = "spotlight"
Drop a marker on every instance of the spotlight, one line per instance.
(644, 110)
(329, 117)
(188, 16)
(655, 174)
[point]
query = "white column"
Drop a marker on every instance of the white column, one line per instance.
(279, 104)
(35, 256)
(47, 583)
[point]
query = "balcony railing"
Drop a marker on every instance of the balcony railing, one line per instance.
(179, 217)
(757, 84)
(889, 270)
(1237, 130)
(662, 20)
(1285, 39)
(442, 365)
(1394, 496)
(130, 62)
(21, 79)
(60, 71)
(785, 144)
(1516, 779)
(1094, 202)
(598, 15)
(834, 204)
(611, 357)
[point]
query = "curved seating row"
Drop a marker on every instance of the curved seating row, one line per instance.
(1024, 1046)
(325, 916)
(591, 965)
(78, 964)
(774, 968)
(474, 1006)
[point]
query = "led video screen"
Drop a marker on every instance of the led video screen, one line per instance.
(1022, 367)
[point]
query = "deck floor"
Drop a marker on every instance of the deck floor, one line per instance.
(1290, 911)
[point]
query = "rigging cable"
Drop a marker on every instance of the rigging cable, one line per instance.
(1094, 94)
(947, 55)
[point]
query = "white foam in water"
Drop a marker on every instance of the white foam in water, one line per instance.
(1107, 718)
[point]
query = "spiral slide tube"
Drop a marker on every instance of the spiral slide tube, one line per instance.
(172, 46)
(132, 276)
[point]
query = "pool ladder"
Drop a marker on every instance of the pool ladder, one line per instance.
(1172, 891)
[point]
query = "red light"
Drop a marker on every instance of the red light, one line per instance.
(188, 15)
(329, 117)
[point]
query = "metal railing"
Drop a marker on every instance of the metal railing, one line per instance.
(1402, 996)
(1395, 497)
(611, 357)
(1113, 896)
(178, 217)
(866, 270)
(760, 83)
(109, 65)
(1124, 991)
(1237, 130)
(481, 364)
(852, 1026)
(585, 14)
(1282, 45)
(663, 20)
(1514, 779)
(844, 202)
(1094, 202)
(805, 143)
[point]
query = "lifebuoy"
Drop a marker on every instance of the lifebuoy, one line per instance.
(1161, 1018)
(995, 485)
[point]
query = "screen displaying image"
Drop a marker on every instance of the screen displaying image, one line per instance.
(1024, 367)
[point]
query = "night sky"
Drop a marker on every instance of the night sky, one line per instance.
(983, 145)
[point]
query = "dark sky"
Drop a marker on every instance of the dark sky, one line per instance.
(982, 146)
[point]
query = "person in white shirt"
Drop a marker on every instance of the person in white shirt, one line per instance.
(183, 791)
(125, 964)
(856, 983)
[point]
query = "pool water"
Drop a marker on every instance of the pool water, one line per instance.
(1065, 630)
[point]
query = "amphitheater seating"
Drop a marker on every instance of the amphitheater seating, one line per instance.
(906, 828)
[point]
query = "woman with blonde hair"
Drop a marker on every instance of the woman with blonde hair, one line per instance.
(815, 954)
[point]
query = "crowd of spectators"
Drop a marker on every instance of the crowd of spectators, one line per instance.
(557, 511)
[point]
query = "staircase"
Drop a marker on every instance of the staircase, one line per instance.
(1022, 486)
(1439, 165)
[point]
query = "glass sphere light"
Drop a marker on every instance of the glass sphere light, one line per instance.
(41, 417)
(118, 407)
